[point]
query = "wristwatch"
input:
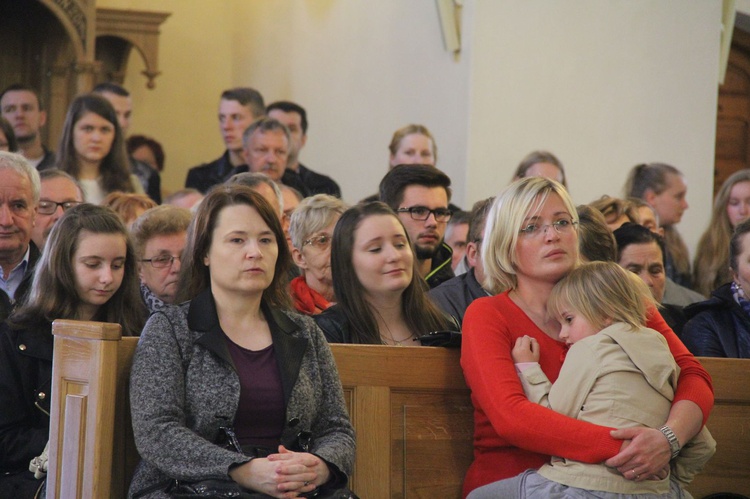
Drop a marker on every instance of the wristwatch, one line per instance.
(674, 444)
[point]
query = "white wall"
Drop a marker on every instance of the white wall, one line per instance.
(604, 84)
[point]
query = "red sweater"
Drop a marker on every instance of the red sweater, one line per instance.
(512, 434)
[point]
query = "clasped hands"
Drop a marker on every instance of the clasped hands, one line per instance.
(285, 475)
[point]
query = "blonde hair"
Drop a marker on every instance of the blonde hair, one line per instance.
(504, 221)
(614, 208)
(711, 265)
(163, 220)
(602, 292)
(314, 214)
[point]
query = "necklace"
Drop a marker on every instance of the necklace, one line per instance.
(398, 343)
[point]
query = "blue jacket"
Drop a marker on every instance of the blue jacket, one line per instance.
(718, 327)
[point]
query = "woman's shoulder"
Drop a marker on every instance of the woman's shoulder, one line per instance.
(334, 324)
(490, 306)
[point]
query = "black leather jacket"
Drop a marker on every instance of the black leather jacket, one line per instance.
(718, 327)
(25, 394)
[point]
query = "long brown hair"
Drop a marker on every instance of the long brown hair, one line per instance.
(115, 167)
(53, 292)
(711, 266)
(195, 276)
(420, 314)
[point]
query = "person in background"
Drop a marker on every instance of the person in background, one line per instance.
(235, 359)
(419, 195)
(59, 193)
(311, 230)
(541, 164)
(720, 326)
(184, 198)
(19, 196)
(613, 361)
(92, 149)
(642, 252)
(147, 150)
(595, 240)
(23, 108)
(292, 198)
(128, 206)
(87, 272)
(8, 140)
(711, 267)
(380, 297)
(616, 211)
(664, 188)
(456, 234)
(455, 295)
(159, 237)
(238, 108)
(266, 146)
(412, 145)
(123, 104)
(294, 117)
(647, 216)
(530, 243)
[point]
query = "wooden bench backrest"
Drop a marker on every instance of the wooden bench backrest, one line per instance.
(410, 408)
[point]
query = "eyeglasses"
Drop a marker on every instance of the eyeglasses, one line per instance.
(562, 226)
(47, 207)
(161, 261)
(321, 242)
(422, 213)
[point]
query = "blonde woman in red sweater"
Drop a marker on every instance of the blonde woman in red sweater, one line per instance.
(531, 241)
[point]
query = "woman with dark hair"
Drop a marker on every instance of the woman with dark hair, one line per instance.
(87, 272)
(531, 243)
(381, 299)
(8, 140)
(235, 362)
(642, 252)
(731, 207)
(147, 150)
(720, 326)
(92, 149)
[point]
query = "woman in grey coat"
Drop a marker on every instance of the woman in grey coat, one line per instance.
(235, 357)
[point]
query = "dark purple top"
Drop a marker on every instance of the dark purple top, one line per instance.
(259, 420)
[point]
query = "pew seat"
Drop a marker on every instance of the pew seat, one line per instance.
(409, 406)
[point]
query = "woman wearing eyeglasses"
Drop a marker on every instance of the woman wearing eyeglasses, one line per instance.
(311, 230)
(530, 243)
(160, 235)
(381, 299)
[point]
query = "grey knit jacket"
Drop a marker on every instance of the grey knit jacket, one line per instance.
(183, 387)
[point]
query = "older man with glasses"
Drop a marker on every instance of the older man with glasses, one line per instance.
(59, 193)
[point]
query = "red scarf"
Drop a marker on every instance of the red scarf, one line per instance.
(307, 300)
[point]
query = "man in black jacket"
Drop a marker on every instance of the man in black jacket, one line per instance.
(24, 110)
(19, 195)
(238, 108)
(419, 194)
(294, 117)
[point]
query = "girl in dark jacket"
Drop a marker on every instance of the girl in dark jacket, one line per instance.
(87, 272)
(720, 326)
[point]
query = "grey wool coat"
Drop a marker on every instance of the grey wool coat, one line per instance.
(183, 387)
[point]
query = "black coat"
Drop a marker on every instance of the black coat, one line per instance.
(207, 175)
(718, 327)
(25, 394)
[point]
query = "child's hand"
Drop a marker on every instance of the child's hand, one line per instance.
(525, 350)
